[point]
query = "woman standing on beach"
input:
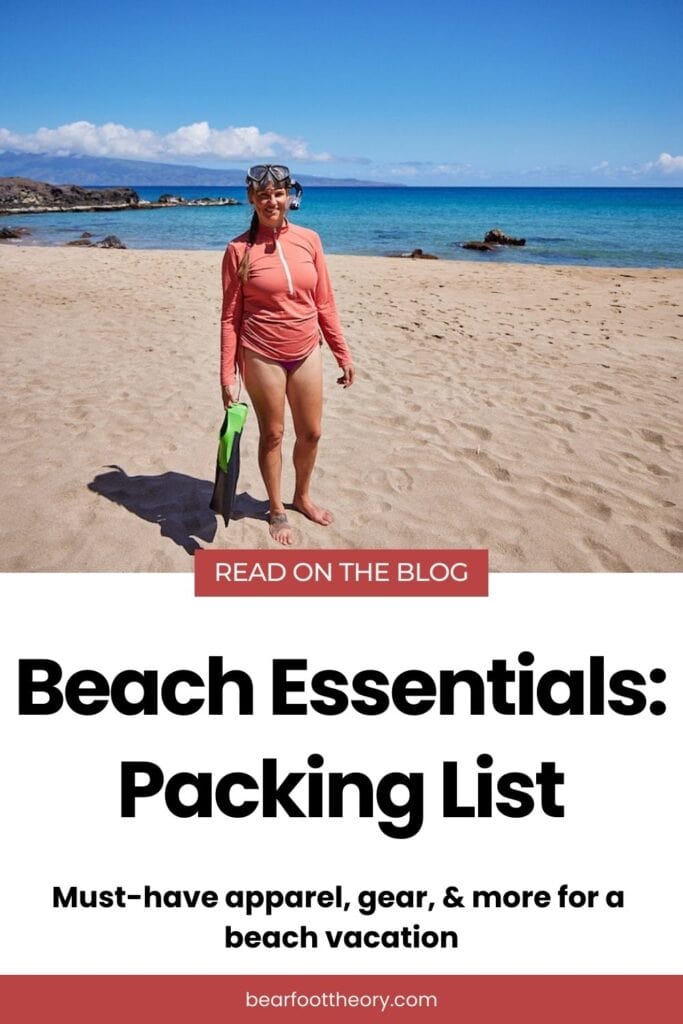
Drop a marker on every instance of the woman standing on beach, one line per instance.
(277, 298)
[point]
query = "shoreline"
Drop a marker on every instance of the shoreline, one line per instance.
(495, 260)
(118, 208)
(529, 409)
(484, 264)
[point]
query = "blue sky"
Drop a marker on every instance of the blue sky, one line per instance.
(518, 92)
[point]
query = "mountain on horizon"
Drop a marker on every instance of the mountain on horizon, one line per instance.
(88, 170)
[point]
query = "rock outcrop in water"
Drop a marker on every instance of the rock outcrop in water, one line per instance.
(497, 237)
(110, 242)
(167, 199)
(23, 195)
(416, 254)
(479, 246)
(493, 239)
(6, 233)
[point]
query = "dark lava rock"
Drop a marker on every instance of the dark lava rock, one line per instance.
(168, 199)
(23, 195)
(497, 237)
(14, 232)
(35, 196)
(416, 254)
(111, 242)
(479, 246)
(217, 201)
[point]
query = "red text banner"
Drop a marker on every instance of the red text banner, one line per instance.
(217, 999)
(350, 573)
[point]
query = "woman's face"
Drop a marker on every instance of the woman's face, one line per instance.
(271, 204)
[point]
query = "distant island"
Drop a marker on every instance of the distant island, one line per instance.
(24, 195)
(97, 171)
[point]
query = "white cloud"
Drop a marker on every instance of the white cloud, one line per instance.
(665, 164)
(452, 170)
(668, 164)
(192, 141)
(412, 168)
(404, 171)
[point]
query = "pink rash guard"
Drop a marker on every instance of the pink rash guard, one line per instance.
(285, 303)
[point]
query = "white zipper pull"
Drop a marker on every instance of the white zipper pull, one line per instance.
(283, 261)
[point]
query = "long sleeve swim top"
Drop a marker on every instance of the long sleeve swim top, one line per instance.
(284, 304)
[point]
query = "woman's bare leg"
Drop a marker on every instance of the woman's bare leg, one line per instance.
(305, 397)
(266, 383)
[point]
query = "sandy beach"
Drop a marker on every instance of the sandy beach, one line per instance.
(533, 411)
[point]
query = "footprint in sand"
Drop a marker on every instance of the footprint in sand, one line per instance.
(554, 422)
(395, 479)
(484, 464)
(606, 387)
(481, 432)
(607, 558)
(513, 551)
(584, 503)
(399, 480)
(675, 539)
(652, 438)
(656, 470)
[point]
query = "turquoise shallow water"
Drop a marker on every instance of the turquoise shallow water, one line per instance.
(590, 227)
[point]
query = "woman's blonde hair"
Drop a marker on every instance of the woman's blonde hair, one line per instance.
(243, 269)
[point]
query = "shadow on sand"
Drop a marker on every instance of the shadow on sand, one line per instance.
(177, 503)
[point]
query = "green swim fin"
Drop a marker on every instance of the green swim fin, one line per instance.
(228, 460)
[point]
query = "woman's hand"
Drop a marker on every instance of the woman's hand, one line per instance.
(229, 395)
(348, 376)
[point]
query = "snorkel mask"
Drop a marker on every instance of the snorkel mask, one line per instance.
(279, 175)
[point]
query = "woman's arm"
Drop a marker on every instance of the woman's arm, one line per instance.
(231, 316)
(328, 318)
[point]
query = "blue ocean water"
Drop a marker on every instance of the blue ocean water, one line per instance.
(627, 227)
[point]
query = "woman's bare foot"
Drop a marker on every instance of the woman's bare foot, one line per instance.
(279, 527)
(313, 512)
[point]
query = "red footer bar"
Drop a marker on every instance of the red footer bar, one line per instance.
(470, 999)
(375, 572)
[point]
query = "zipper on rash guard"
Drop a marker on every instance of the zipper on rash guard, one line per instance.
(283, 261)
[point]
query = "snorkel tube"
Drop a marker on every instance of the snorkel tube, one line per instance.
(295, 200)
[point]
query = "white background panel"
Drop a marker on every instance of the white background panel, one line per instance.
(61, 790)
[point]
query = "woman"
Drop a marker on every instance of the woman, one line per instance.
(277, 298)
